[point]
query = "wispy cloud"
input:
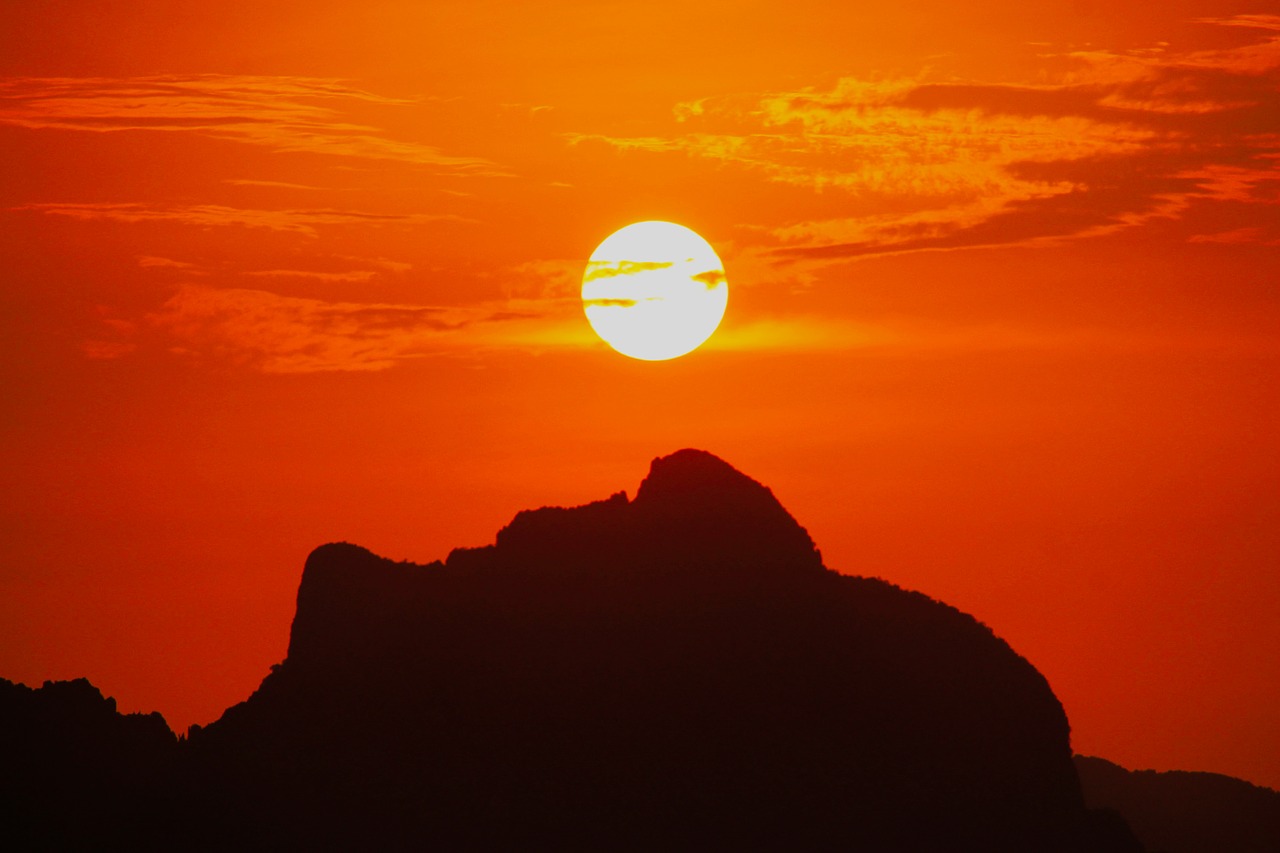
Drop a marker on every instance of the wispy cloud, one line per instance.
(611, 269)
(385, 264)
(606, 302)
(284, 185)
(348, 276)
(285, 334)
(549, 279)
(1237, 236)
(916, 337)
(263, 331)
(154, 262)
(302, 221)
(322, 268)
(294, 114)
(1117, 141)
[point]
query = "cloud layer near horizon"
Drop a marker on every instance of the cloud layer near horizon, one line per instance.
(286, 334)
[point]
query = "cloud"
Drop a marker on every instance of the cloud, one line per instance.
(153, 262)
(610, 269)
(248, 182)
(349, 276)
(293, 114)
(552, 279)
(651, 144)
(267, 332)
(302, 221)
(1116, 141)
(259, 330)
(1236, 237)
(1258, 22)
(385, 264)
(285, 334)
(917, 337)
(610, 303)
(367, 268)
(711, 279)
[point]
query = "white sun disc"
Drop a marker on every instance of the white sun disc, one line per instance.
(654, 290)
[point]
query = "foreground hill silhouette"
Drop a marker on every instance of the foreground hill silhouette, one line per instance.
(677, 671)
(74, 773)
(674, 672)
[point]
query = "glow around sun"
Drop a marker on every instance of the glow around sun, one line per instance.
(654, 290)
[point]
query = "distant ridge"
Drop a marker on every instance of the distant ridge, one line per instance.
(1184, 812)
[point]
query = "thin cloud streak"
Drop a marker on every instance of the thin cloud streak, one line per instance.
(155, 262)
(267, 332)
(283, 185)
(349, 276)
(285, 334)
(302, 221)
(597, 270)
(271, 333)
(290, 114)
(905, 338)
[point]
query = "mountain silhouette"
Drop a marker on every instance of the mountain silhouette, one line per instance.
(75, 772)
(1185, 812)
(677, 671)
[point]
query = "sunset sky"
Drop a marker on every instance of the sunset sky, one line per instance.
(1003, 321)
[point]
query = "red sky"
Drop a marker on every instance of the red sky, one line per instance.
(1002, 327)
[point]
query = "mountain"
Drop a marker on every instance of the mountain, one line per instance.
(1185, 812)
(75, 770)
(676, 671)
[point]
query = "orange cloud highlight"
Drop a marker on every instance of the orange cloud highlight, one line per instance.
(1119, 141)
(302, 222)
(295, 114)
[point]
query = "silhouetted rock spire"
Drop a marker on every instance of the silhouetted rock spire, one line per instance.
(701, 505)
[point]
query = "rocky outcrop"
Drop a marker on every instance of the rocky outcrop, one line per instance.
(76, 773)
(676, 671)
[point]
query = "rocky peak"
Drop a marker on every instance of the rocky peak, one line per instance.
(704, 506)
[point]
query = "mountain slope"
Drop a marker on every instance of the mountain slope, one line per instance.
(674, 671)
(76, 772)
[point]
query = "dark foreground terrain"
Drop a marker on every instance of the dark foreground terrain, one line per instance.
(678, 671)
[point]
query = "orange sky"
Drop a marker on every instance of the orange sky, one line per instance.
(1002, 323)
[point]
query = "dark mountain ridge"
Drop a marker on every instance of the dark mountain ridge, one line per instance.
(675, 671)
(75, 772)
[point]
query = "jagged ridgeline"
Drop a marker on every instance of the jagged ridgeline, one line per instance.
(674, 672)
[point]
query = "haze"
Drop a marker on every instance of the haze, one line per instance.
(1003, 330)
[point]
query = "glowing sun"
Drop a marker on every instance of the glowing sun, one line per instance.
(654, 290)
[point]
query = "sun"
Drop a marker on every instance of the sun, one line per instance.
(654, 290)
